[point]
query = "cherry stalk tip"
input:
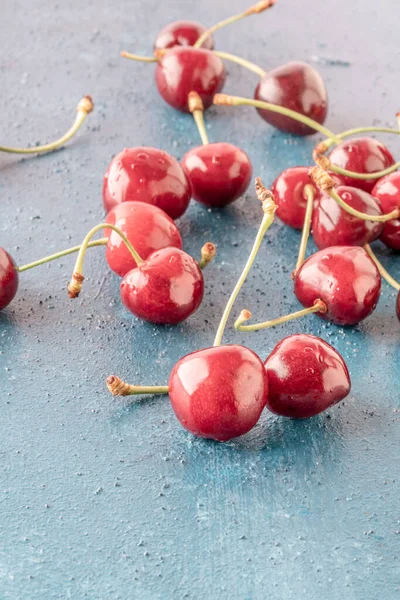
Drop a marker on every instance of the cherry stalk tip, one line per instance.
(223, 100)
(260, 7)
(75, 285)
(195, 102)
(85, 105)
(116, 386)
(321, 179)
(322, 161)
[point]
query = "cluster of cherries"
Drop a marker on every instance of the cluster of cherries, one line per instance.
(348, 200)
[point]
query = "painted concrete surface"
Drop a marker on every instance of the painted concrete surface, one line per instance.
(110, 499)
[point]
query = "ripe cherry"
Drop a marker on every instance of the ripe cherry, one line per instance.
(182, 33)
(288, 193)
(166, 288)
(8, 279)
(387, 191)
(147, 175)
(361, 155)
(147, 227)
(398, 306)
(182, 70)
(297, 86)
(345, 279)
(305, 377)
(219, 392)
(333, 226)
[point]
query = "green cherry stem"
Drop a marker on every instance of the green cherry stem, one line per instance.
(357, 130)
(309, 194)
(253, 10)
(226, 100)
(84, 107)
(208, 252)
(269, 207)
(60, 254)
(77, 278)
(241, 61)
(245, 315)
(117, 387)
(390, 280)
(196, 107)
(325, 182)
(355, 175)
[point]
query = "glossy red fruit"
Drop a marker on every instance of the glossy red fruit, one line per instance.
(147, 175)
(345, 278)
(297, 86)
(219, 173)
(167, 288)
(182, 70)
(181, 33)
(362, 155)
(8, 279)
(219, 392)
(398, 306)
(288, 194)
(305, 377)
(333, 226)
(147, 227)
(387, 191)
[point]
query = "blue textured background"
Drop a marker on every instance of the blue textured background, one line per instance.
(107, 499)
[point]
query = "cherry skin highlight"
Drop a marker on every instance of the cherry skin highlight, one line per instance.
(219, 393)
(167, 288)
(361, 155)
(147, 175)
(288, 194)
(147, 227)
(305, 377)
(345, 278)
(333, 226)
(387, 191)
(297, 86)
(219, 173)
(8, 279)
(183, 70)
(181, 33)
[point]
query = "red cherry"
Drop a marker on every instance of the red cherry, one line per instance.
(333, 226)
(147, 175)
(166, 288)
(387, 191)
(297, 86)
(181, 33)
(8, 279)
(345, 278)
(305, 377)
(398, 306)
(219, 173)
(361, 155)
(219, 392)
(182, 70)
(147, 227)
(288, 195)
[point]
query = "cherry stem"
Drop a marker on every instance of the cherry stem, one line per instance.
(84, 107)
(390, 280)
(245, 315)
(75, 285)
(208, 252)
(309, 194)
(47, 259)
(269, 207)
(350, 132)
(257, 8)
(398, 120)
(196, 107)
(355, 175)
(360, 215)
(120, 388)
(138, 57)
(241, 61)
(225, 100)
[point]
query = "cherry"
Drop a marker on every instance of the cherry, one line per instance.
(147, 175)
(181, 33)
(8, 279)
(333, 226)
(146, 226)
(387, 191)
(345, 279)
(219, 173)
(398, 306)
(165, 288)
(361, 155)
(305, 377)
(182, 70)
(219, 392)
(288, 193)
(297, 86)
